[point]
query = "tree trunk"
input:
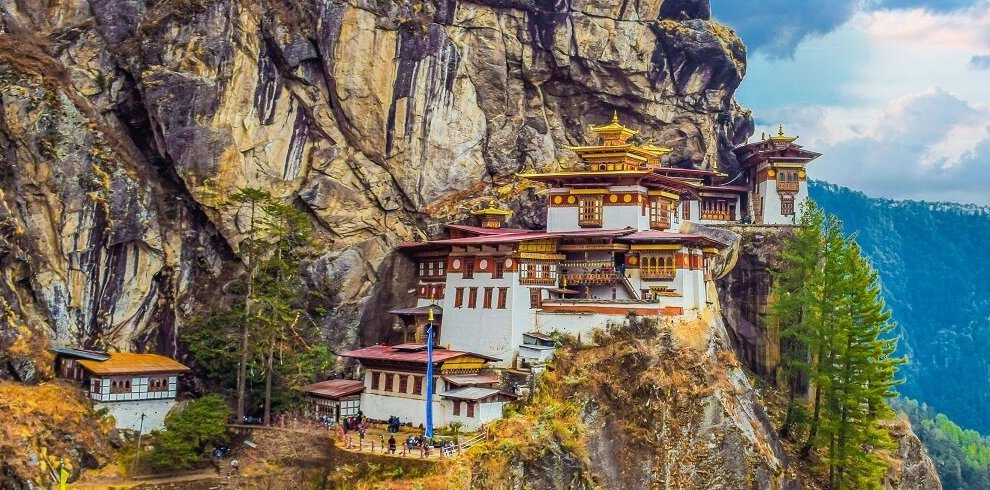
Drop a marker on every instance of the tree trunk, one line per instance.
(268, 384)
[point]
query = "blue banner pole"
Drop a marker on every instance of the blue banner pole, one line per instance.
(429, 377)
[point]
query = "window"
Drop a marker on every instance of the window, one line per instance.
(457, 407)
(499, 270)
(432, 269)
(503, 293)
(473, 298)
(787, 206)
(468, 268)
(660, 214)
(158, 384)
(120, 386)
(787, 180)
(470, 409)
(458, 297)
(94, 384)
(374, 379)
(686, 210)
(417, 385)
(590, 212)
(389, 381)
(403, 384)
(657, 266)
(488, 298)
(718, 209)
(534, 298)
(538, 273)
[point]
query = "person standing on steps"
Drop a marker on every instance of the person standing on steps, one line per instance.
(391, 444)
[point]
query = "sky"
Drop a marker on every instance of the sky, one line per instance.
(895, 94)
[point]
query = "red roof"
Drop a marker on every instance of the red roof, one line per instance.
(335, 388)
(471, 379)
(406, 353)
(667, 236)
(477, 230)
(727, 188)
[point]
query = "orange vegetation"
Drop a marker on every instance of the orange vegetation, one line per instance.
(48, 421)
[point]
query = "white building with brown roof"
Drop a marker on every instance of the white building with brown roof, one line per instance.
(131, 386)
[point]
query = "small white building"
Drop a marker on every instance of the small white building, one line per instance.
(333, 398)
(775, 169)
(394, 380)
(139, 390)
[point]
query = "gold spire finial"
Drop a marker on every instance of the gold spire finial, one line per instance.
(781, 130)
(615, 116)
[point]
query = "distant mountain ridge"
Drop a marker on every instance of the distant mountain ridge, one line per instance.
(931, 262)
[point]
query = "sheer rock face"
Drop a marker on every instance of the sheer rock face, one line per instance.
(126, 125)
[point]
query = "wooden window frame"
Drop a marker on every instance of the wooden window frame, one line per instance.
(375, 381)
(686, 210)
(404, 383)
(389, 382)
(158, 384)
(535, 298)
(457, 407)
(660, 213)
(657, 266)
(470, 412)
(417, 385)
(120, 386)
(590, 210)
(487, 301)
(95, 385)
(458, 297)
(503, 294)
(499, 271)
(787, 207)
(469, 268)
(472, 297)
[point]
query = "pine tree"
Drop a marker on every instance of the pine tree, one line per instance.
(865, 377)
(790, 309)
(826, 302)
(836, 333)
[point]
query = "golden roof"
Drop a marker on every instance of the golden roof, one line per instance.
(780, 137)
(655, 149)
(131, 363)
(614, 134)
(492, 209)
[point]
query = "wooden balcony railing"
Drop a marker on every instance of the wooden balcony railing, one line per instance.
(787, 186)
(538, 281)
(658, 274)
(591, 278)
(590, 223)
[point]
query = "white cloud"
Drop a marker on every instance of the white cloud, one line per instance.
(927, 146)
(965, 29)
(893, 101)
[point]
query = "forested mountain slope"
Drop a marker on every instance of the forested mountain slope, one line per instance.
(929, 256)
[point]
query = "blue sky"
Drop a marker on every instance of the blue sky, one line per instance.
(894, 93)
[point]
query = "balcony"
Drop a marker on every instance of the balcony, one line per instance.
(590, 223)
(658, 273)
(539, 281)
(591, 278)
(788, 186)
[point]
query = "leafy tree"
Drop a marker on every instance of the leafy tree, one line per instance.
(188, 432)
(273, 323)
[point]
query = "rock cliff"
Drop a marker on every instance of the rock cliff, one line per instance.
(125, 126)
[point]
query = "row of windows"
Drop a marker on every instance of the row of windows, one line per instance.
(432, 269)
(397, 383)
(660, 213)
(657, 266)
(124, 385)
(538, 273)
(498, 273)
(503, 294)
(468, 412)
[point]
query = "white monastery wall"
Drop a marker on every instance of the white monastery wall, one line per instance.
(128, 414)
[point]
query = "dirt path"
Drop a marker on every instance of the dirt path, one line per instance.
(113, 483)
